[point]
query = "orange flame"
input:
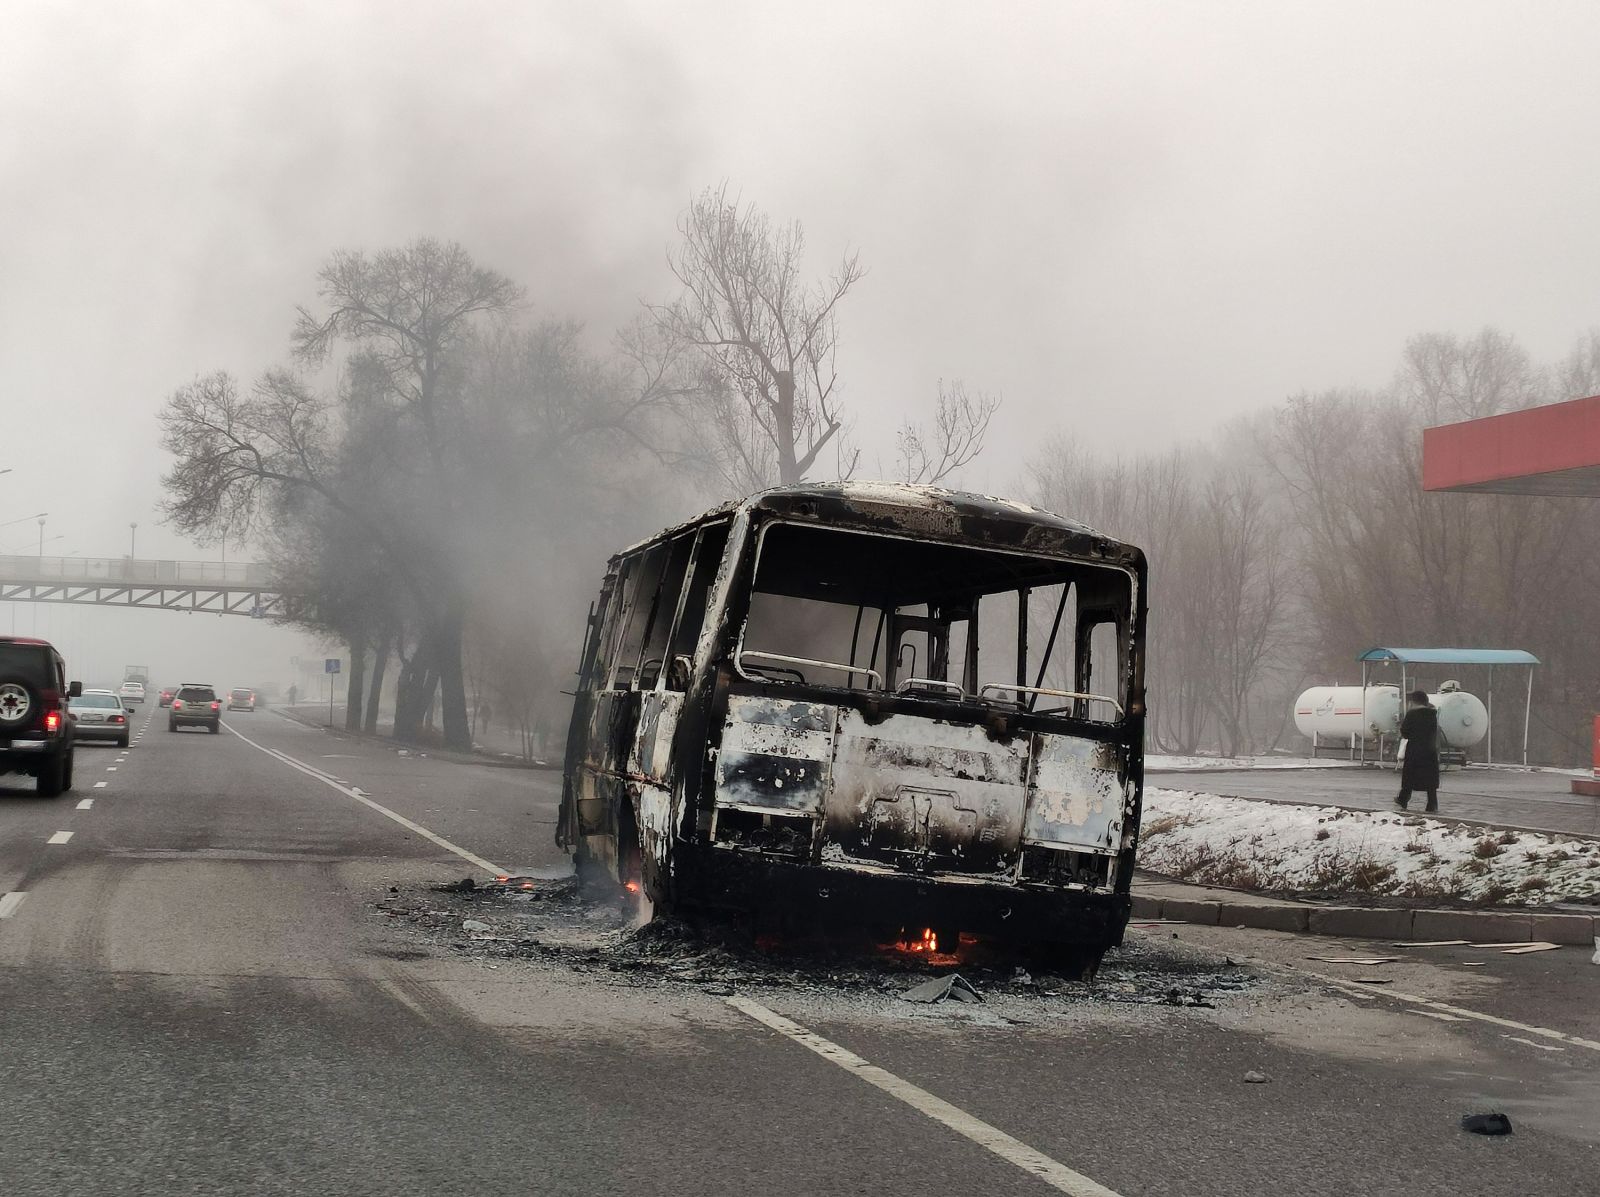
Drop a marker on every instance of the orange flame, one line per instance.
(631, 886)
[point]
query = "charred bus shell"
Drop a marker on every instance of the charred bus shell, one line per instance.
(868, 704)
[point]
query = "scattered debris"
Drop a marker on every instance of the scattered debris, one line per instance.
(1432, 943)
(1474, 963)
(1367, 960)
(1371, 980)
(555, 926)
(475, 925)
(465, 886)
(1255, 1078)
(950, 987)
(1531, 947)
(721, 989)
(1486, 1124)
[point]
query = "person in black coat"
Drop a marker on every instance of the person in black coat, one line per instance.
(1420, 732)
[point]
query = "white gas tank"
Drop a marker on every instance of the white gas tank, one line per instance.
(1339, 712)
(1463, 719)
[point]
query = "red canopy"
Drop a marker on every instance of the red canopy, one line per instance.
(1553, 450)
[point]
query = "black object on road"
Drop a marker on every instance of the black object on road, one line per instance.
(1486, 1124)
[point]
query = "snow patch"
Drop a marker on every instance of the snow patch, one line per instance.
(1281, 847)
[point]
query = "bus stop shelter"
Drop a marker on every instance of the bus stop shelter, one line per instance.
(1492, 657)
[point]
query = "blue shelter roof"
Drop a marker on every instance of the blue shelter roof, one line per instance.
(1451, 656)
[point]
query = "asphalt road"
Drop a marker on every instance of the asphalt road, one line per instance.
(1500, 797)
(200, 994)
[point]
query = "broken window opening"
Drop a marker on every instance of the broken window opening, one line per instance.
(706, 560)
(952, 622)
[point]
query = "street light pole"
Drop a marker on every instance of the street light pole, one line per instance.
(133, 531)
(41, 536)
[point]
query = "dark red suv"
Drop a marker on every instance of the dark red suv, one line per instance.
(35, 726)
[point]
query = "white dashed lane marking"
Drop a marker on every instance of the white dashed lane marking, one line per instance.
(100, 785)
(86, 804)
(60, 837)
(1013, 1151)
(10, 902)
(328, 779)
(1459, 1011)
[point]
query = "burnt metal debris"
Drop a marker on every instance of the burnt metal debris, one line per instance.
(951, 987)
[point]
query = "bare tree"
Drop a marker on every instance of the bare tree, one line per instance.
(407, 315)
(960, 423)
(1241, 550)
(765, 336)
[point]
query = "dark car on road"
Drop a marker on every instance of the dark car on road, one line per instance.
(195, 705)
(100, 715)
(36, 728)
(167, 695)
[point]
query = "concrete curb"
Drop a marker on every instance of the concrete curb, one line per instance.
(1375, 922)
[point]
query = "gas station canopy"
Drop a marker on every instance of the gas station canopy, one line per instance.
(1551, 450)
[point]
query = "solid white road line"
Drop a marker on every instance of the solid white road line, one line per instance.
(86, 804)
(60, 837)
(1459, 1011)
(100, 785)
(1013, 1151)
(351, 792)
(10, 902)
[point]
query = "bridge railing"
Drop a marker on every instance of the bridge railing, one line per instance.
(134, 571)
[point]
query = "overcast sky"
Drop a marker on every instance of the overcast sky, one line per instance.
(1130, 220)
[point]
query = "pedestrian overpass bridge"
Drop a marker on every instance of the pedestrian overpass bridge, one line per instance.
(219, 587)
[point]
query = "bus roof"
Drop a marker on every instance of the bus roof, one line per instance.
(926, 511)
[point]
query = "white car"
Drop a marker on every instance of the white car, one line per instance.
(131, 693)
(99, 715)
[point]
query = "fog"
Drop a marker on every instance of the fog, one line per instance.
(1132, 222)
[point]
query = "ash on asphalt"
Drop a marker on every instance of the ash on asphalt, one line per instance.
(552, 926)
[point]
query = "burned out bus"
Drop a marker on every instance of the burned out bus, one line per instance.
(887, 706)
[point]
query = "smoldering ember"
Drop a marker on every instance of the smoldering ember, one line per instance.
(724, 599)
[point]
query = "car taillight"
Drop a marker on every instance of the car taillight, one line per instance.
(118, 719)
(177, 704)
(216, 706)
(52, 722)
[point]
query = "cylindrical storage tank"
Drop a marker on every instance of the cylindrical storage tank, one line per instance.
(1463, 719)
(1339, 712)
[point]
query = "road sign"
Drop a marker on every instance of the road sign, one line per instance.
(330, 665)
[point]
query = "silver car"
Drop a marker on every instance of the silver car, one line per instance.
(100, 715)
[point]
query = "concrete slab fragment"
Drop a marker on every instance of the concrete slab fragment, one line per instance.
(1268, 916)
(1476, 925)
(1204, 913)
(1564, 928)
(1361, 922)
